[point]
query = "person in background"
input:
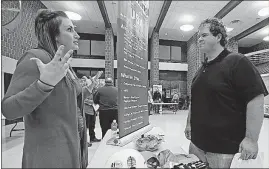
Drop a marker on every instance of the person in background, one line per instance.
(150, 100)
(107, 98)
(186, 103)
(45, 91)
(164, 95)
(226, 111)
(175, 99)
(157, 99)
(90, 118)
(89, 108)
(180, 101)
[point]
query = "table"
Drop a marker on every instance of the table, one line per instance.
(104, 151)
(165, 104)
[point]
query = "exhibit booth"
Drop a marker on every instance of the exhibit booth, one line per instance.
(137, 144)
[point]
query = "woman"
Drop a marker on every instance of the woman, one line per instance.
(45, 91)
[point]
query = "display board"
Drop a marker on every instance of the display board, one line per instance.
(132, 61)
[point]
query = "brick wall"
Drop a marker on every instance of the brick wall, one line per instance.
(232, 45)
(264, 67)
(109, 53)
(22, 38)
(154, 57)
(193, 60)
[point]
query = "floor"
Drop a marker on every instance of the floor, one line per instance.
(172, 124)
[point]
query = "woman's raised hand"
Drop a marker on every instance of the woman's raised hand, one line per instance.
(52, 72)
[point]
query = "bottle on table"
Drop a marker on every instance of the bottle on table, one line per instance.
(114, 129)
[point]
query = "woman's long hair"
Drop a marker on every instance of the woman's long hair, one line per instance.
(47, 25)
(47, 28)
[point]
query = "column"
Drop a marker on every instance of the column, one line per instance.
(232, 45)
(109, 53)
(194, 58)
(154, 59)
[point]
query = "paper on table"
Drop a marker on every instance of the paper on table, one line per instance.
(126, 158)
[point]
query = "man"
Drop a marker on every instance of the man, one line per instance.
(164, 95)
(107, 98)
(226, 111)
(90, 118)
(157, 99)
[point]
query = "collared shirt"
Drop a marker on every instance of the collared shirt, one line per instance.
(220, 92)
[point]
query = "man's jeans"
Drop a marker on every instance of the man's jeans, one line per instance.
(214, 160)
(156, 108)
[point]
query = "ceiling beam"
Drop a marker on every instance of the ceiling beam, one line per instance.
(227, 8)
(103, 10)
(164, 10)
(252, 29)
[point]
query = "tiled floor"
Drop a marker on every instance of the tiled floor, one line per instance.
(172, 124)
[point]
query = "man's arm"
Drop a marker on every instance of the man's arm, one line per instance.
(254, 119)
(188, 125)
(189, 116)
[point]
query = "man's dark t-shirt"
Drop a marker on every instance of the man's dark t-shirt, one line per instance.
(220, 92)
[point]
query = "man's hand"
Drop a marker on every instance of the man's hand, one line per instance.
(248, 149)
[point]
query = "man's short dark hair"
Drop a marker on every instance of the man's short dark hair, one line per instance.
(216, 27)
(108, 80)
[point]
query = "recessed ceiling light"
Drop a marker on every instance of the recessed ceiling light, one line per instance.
(186, 27)
(165, 34)
(264, 11)
(266, 38)
(187, 18)
(229, 29)
(73, 15)
(236, 21)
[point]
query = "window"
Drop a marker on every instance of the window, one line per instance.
(84, 47)
(176, 53)
(164, 52)
(98, 48)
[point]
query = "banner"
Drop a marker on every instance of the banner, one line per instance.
(132, 61)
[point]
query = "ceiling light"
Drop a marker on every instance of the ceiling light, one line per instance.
(186, 27)
(264, 12)
(165, 34)
(229, 29)
(73, 15)
(187, 18)
(266, 38)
